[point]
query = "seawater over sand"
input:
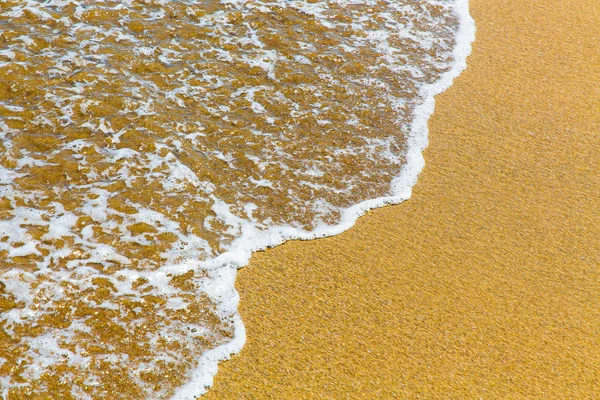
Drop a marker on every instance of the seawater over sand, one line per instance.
(149, 147)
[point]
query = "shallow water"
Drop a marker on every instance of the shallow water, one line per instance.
(148, 147)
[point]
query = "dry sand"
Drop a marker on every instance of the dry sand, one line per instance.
(486, 283)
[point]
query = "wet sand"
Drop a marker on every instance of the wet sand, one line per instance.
(486, 283)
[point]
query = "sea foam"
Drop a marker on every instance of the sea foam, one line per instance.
(149, 148)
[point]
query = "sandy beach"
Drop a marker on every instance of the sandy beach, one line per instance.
(486, 283)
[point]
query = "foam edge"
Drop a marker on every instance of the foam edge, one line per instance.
(202, 377)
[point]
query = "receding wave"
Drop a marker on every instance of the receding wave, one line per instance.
(148, 147)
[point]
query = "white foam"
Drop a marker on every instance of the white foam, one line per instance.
(239, 227)
(241, 249)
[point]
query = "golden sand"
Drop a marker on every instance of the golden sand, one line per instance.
(486, 283)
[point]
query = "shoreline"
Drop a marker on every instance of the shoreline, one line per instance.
(400, 191)
(483, 283)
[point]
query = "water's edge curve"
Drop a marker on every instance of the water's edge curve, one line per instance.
(224, 267)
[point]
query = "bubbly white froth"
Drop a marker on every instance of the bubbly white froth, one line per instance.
(148, 147)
